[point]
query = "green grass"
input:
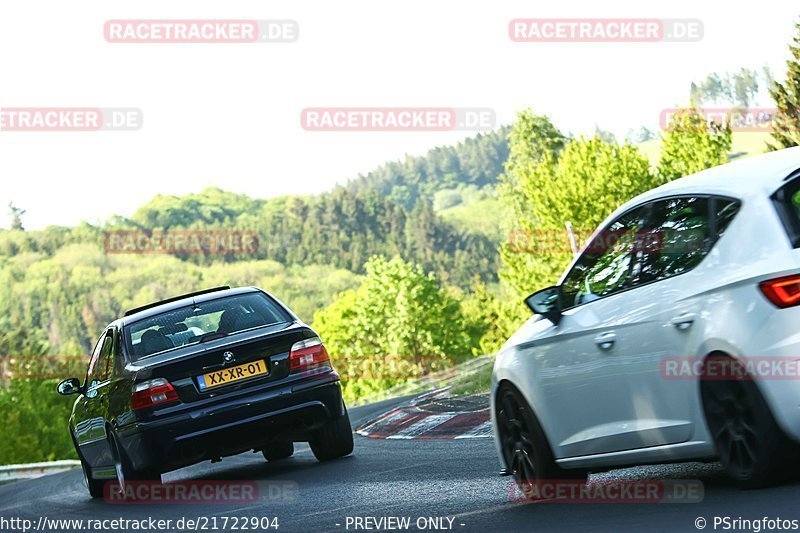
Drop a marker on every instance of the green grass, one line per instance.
(482, 216)
(470, 377)
(472, 210)
(478, 382)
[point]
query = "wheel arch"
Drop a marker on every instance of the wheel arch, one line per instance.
(508, 383)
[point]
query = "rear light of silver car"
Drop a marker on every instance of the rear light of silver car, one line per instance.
(308, 354)
(151, 393)
(783, 292)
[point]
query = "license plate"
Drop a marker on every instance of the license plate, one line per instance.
(232, 374)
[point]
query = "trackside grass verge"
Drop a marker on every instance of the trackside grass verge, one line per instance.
(471, 377)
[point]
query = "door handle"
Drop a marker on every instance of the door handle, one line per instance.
(683, 322)
(605, 341)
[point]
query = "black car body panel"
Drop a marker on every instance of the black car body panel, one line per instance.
(204, 422)
(233, 426)
(182, 365)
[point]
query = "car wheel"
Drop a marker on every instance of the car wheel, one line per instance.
(123, 466)
(333, 440)
(525, 449)
(276, 451)
(95, 486)
(752, 448)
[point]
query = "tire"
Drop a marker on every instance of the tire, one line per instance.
(526, 452)
(123, 466)
(278, 450)
(95, 486)
(753, 450)
(333, 440)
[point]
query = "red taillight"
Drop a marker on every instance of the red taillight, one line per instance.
(783, 292)
(308, 354)
(151, 393)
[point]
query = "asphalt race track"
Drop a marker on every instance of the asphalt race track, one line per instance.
(456, 480)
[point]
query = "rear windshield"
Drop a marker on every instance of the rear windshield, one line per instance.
(202, 322)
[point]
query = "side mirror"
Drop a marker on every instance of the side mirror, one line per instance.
(546, 302)
(69, 386)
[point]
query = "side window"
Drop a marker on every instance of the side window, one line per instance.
(117, 364)
(93, 358)
(99, 365)
(682, 232)
(113, 350)
(606, 265)
(787, 203)
(725, 209)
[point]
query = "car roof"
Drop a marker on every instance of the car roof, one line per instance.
(183, 302)
(760, 174)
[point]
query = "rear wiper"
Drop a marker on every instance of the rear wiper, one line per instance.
(212, 336)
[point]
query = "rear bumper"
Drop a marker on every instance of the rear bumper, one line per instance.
(251, 422)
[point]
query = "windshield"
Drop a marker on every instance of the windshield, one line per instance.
(199, 323)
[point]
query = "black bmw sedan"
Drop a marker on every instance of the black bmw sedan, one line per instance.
(199, 377)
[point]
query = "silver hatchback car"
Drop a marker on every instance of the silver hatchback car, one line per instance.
(674, 335)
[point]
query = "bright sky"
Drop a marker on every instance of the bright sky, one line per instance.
(229, 114)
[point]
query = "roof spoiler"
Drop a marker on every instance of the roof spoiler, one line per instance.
(174, 299)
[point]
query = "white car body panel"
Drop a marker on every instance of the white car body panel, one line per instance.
(602, 407)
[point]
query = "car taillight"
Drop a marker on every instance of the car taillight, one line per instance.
(151, 393)
(308, 354)
(783, 292)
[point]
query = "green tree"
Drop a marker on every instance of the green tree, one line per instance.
(769, 78)
(691, 144)
(34, 422)
(643, 134)
(712, 89)
(604, 135)
(584, 185)
(532, 139)
(16, 215)
(399, 323)
(491, 317)
(342, 227)
(737, 89)
(745, 87)
(475, 161)
(786, 126)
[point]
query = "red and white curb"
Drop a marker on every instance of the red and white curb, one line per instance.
(414, 422)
